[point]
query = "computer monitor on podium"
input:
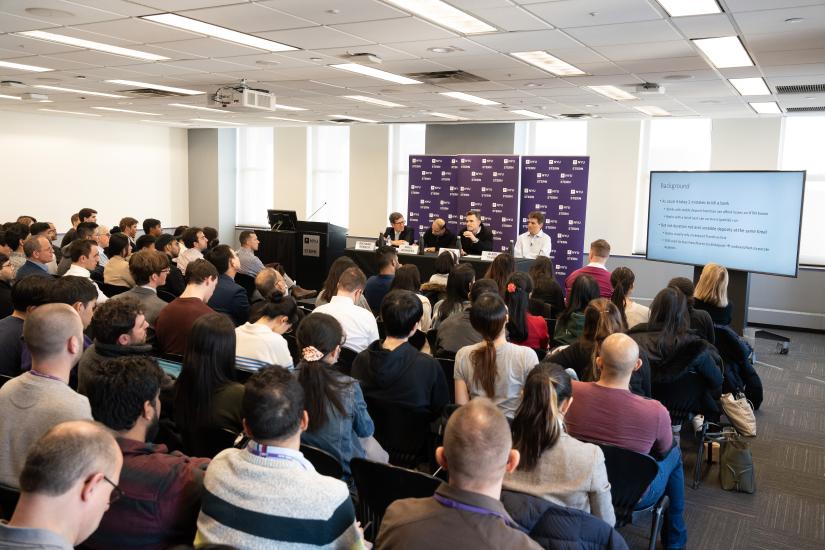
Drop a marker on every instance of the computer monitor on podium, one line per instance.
(282, 220)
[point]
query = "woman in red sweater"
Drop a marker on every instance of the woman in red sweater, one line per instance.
(522, 328)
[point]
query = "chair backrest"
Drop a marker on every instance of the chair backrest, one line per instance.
(402, 432)
(208, 443)
(629, 474)
(165, 295)
(417, 340)
(432, 335)
(682, 396)
(345, 359)
(540, 353)
(111, 290)
(247, 282)
(382, 332)
(551, 326)
(8, 502)
(325, 464)
(448, 366)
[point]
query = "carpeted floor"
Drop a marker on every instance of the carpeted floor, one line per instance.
(788, 509)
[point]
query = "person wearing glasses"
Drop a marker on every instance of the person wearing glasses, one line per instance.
(149, 269)
(398, 232)
(69, 480)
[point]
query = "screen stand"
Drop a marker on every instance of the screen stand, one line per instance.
(739, 283)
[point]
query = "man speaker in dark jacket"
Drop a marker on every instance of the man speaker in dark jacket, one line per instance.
(398, 233)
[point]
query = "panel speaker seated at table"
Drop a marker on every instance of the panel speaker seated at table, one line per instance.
(438, 236)
(476, 238)
(398, 233)
(534, 242)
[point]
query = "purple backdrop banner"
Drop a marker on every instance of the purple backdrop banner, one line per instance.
(433, 191)
(557, 186)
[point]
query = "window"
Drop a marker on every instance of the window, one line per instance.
(802, 150)
(668, 144)
(405, 140)
(552, 137)
(254, 187)
(328, 192)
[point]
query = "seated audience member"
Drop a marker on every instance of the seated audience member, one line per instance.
(476, 237)
(606, 411)
(438, 236)
(195, 242)
(145, 242)
(27, 220)
(272, 477)
(102, 236)
(260, 341)
(500, 270)
(330, 287)
(85, 215)
(175, 281)
(175, 321)
(711, 294)
(466, 512)
(16, 235)
(152, 227)
(229, 297)
(599, 252)
(674, 351)
(69, 479)
(570, 322)
(4, 248)
(632, 312)
(495, 368)
(268, 283)
(455, 331)
(6, 278)
(161, 490)
(84, 231)
(252, 265)
(442, 266)
(392, 371)
(207, 397)
(700, 320)
(547, 299)
(534, 242)
(338, 417)
(116, 271)
(39, 254)
(84, 255)
(26, 295)
(119, 329)
(462, 277)
(553, 465)
(212, 239)
(359, 325)
(149, 269)
(36, 400)
(398, 233)
(128, 226)
(522, 328)
(407, 277)
(47, 230)
(378, 285)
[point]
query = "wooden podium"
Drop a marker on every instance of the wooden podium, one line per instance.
(305, 253)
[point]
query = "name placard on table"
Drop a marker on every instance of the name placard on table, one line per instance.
(408, 249)
(489, 256)
(365, 245)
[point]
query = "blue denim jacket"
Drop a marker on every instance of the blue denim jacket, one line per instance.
(339, 436)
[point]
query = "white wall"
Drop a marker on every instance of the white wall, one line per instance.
(52, 166)
(291, 158)
(369, 179)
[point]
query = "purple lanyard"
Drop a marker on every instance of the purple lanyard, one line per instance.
(264, 451)
(450, 503)
(44, 375)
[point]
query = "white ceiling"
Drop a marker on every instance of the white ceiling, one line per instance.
(618, 42)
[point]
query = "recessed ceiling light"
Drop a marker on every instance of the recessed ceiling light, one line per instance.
(126, 111)
(374, 101)
(4, 96)
(766, 108)
(724, 52)
(529, 114)
(591, 105)
(750, 86)
(287, 119)
(180, 22)
(22, 67)
(74, 91)
(651, 110)
(350, 117)
(289, 107)
(445, 15)
(678, 8)
(69, 112)
(196, 107)
(91, 45)
(533, 85)
(218, 121)
(445, 115)
(471, 98)
(156, 87)
(549, 63)
(375, 73)
(448, 49)
(612, 92)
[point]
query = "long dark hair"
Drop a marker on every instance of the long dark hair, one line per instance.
(537, 424)
(541, 266)
(341, 264)
(208, 365)
(458, 289)
(601, 319)
(274, 307)
(444, 263)
(500, 270)
(622, 280)
(487, 316)
(407, 277)
(669, 315)
(518, 301)
(684, 285)
(324, 333)
(584, 289)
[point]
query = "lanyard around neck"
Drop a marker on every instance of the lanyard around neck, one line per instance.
(271, 452)
(455, 505)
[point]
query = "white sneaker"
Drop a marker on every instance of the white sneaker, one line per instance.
(698, 422)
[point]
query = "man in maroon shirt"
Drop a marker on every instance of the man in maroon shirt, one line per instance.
(599, 252)
(174, 322)
(606, 411)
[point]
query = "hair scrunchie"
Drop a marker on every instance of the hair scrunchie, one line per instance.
(511, 288)
(309, 353)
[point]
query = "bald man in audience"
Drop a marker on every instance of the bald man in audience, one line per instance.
(606, 411)
(68, 481)
(466, 513)
(36, 400)
(438, 236)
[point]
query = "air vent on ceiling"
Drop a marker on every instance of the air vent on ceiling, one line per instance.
(575, 115)
(805, 109)
(447, 77)
(801, 89)
(149, 92)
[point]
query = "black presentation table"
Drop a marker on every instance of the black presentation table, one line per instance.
(365, 259)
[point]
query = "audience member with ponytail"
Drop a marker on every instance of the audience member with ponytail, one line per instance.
(522, 328)
(570, 324)
(700, 320)
(260, 342)
(459, 282)
(633, 313)
(547, 299)
(554, 465)
(338, 417)
(495, 368)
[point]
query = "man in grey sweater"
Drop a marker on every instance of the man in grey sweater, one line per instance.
(36, 400)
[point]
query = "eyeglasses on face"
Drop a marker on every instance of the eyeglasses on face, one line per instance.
(117, 492)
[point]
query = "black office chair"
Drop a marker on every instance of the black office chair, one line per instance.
(448, 366)
(551, 326)
(540, 353)
(325, 464)
(8, 502)
(111, 290)
(247, 282)
(404, 433)
(379, 485)
(165, 295)
(417, 340)
(345, 359)
(432, 336)
(382, 333)
(630, 473)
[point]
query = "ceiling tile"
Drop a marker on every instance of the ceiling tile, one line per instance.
(629, 33)
(389, 30)
(180, 5)
(336, 12)
(776, 42)
(704, 26)
(654, 50)
(27, 46)
(208, 47)
(511, 18)
(249, 18)
(138, 31)
(773, 20)
(13, 23)
(384, 52)
(586, 13)
(659, 65)
(65, 13)
(526, 41)
(737, 6)
(119, 7)
(314, 38)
